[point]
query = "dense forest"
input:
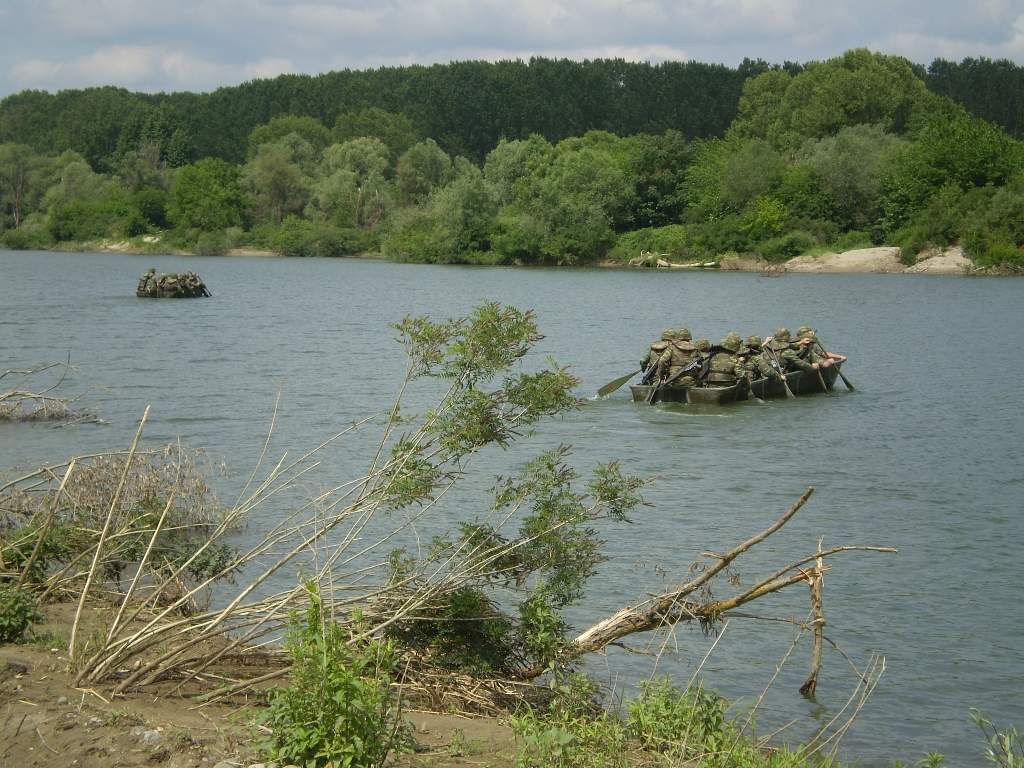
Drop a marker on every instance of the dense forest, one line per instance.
(540, 162)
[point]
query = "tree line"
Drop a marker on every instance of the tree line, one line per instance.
(852, 151)
(466, 107)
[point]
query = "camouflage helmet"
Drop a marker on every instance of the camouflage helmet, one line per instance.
(812, 336)
(732, 335)
(684, 334)
(804, 332)
(782, 334)
(702, 344)
(753, 340)
(668, 334)
(732, 343)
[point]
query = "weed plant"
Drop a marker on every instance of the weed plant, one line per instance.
(340, 709)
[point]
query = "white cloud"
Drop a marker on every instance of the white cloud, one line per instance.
(198, 44)
(143, 67)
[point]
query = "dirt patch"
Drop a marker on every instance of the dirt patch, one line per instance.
(741, 264)
(47, 721)
(861, 260)
(952, 261)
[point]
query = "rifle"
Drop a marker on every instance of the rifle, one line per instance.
(688, 367)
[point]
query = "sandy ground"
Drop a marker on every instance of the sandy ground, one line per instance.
(861, 260)
(952, 261)
(46, 721)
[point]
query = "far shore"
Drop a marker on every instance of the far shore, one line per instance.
(880, 260)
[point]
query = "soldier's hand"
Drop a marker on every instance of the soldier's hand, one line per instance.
(767, 339)
(783, 377)
(815, 366)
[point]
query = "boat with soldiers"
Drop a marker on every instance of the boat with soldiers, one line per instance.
(676, 371)
(186, 285)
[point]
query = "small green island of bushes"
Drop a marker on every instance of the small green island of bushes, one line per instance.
(829, 156)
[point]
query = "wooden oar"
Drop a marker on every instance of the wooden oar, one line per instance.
(789, 392)
(846, 381)
(611, 386)
(821, 379)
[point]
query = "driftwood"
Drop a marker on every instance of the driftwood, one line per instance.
(24, 402)
(679, 605)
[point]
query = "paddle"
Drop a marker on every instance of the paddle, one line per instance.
(611, 386)
(846, 381)
(789, 392)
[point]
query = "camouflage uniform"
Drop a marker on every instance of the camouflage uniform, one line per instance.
(809, 352)
(657, 349)
(679, 355)
(756, 364)
(147, 284)
(788, 353)
(725, 369)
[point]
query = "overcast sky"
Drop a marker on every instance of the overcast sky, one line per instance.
(154, 45)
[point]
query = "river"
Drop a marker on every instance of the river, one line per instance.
(924, 456)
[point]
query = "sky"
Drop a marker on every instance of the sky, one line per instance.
(174, 45)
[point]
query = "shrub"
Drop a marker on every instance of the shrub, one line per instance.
(570, 734)
(786, 246)
(24, 240)
(152, 204)
(211, 244)
(297, 237)
(339, 709)
(18, 611)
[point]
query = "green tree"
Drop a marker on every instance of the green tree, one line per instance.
(421, 170)
(849, 167)
(755, 169)
(396, 132)
(657, 167)
(276, 182)
(21, 172)
(310, 129)
(858, 87)
(207, 196)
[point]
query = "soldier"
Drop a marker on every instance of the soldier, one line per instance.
(826, 358)
(752, 355)
(679, 356)
(807, 342)
(147, 284)
(787, 353)
(684, 334)
(725, 369)
(703, 346)
(653, 355)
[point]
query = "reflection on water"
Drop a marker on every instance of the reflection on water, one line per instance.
(924, 456)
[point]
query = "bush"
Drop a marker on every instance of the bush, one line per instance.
(786, 246)
(297, 237)
(570, 734)
(81, 220)
(152, 204)
(339, 709)
(211, 244)
(18, 611)
(24, 240)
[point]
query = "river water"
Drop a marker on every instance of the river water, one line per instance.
(926, 455)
